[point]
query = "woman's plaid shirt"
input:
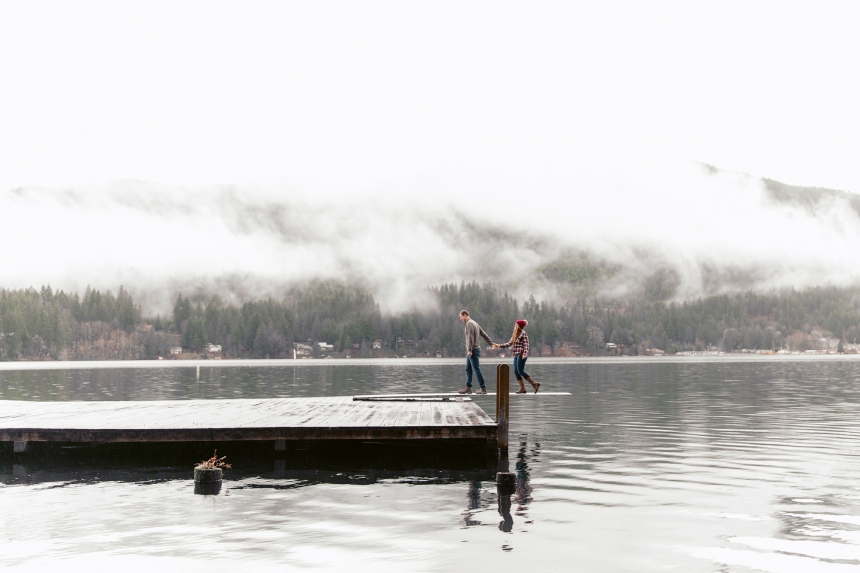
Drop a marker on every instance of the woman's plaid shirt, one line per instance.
(521, 346)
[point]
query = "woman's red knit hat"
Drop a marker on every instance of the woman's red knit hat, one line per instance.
(522, 323)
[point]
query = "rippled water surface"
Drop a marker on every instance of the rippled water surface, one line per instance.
(686, 466)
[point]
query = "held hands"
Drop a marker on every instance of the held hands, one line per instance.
(495, 346)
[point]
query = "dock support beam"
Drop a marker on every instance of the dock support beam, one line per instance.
(19, 447)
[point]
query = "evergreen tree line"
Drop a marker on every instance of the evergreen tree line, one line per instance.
(42, 324)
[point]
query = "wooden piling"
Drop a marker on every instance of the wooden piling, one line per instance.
(207, 481)
(207, 474)
(503, 403)
(505, 480)
(506, 483)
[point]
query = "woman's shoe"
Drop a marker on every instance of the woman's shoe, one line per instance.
(522, 389)
(535, 385)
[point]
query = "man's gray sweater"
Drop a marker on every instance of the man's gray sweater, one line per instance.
(473, 330)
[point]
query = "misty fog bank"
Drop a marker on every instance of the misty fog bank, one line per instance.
(671, 232)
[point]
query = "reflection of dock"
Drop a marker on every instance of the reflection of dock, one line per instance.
(280, 420)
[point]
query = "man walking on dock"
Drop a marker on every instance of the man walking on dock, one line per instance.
(473, 353)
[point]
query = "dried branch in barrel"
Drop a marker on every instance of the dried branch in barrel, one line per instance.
(214, 462)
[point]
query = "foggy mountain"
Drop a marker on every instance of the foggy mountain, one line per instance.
(673, 232)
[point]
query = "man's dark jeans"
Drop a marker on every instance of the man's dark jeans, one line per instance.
(473, 362)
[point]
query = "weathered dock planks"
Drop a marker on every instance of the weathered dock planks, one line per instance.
(328, 418)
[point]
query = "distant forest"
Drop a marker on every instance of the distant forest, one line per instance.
(43, 324)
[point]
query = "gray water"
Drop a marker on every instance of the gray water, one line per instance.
(663, 465)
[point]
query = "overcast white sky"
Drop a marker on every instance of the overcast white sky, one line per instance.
(345, 97)
(258, 143)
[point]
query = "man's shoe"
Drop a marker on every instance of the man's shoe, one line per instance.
(481, 390)
(466, 390)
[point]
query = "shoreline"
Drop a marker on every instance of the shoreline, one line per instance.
(291, 362)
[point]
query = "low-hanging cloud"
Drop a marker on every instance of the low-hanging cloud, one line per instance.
(676, 231)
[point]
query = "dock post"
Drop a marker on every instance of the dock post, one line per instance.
(503, 403)
(19, 447)
(505, 480)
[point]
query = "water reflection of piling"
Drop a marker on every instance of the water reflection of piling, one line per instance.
(505, 486)
(504, 504)
(517, 484)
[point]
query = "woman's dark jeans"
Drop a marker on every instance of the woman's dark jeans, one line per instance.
(520, 367)
(473, 362)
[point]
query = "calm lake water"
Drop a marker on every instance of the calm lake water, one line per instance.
(649, 465)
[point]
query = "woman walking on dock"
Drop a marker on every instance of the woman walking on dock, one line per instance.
(520, 342)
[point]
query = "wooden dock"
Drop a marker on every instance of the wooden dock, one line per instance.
(449, 417)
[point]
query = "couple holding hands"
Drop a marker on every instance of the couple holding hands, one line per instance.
(520, 342)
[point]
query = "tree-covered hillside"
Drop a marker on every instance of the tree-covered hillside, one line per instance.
(42, 324)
